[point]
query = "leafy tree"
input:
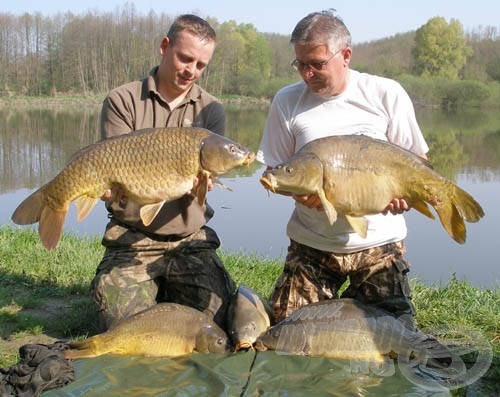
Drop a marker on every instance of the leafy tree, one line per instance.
(440, 48)
(484, 64)
(94, 52)
(387, 57)
(242, 62)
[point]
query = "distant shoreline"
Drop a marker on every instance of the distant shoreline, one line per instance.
(95, 100)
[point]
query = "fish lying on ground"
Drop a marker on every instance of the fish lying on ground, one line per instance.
(347, 329)
(151, 167)
(356, 175)
(248, 317)
(165, 330)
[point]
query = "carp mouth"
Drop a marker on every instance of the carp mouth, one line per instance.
(243, 345)
(268, 181)
(250, 157)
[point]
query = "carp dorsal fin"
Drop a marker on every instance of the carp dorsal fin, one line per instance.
(421, 206)
(359, 224)
(148, 212)
(330, 211)
(84, 205)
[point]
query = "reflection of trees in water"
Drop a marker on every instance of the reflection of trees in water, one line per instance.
(446, 153)
(484, 153)
(477, 155)
(466, 142)
(37, 143)
(246, 124)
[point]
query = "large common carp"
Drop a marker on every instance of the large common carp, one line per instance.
(356, 175)
(347, 329)
(248, 317)
(164, 330)
(151, 167)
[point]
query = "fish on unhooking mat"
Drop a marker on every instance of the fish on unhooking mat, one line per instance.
(346, 328)
(248, 317)
(164, 330)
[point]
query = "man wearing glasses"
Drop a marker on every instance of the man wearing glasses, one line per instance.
(333, 99)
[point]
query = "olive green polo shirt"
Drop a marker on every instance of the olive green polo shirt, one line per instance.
(137, 105)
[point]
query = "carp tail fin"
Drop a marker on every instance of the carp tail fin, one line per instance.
(86, 348)
(30, 209)
(455, 206)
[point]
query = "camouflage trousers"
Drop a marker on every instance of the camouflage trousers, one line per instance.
(376, 275)
(137, 272)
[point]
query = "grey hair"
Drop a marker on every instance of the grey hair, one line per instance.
(322, 28)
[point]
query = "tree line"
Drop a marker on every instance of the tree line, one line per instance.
(94, 52)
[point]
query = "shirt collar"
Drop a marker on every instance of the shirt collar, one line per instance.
(193, 95)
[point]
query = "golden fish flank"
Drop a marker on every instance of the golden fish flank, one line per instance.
(355, 175)
(151, 166)
(164, 330)
(347, 329)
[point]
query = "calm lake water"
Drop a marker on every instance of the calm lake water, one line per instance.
(36, 144)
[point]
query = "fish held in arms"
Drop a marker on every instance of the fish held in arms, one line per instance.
(355, 175)
(150, 166)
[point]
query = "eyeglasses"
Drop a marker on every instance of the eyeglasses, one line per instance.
(316, 65)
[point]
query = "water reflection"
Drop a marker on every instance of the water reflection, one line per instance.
(36, 144)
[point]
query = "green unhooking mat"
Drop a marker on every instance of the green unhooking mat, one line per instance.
(239, 374)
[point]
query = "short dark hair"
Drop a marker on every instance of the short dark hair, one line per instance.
(193, 24)
(322, 28)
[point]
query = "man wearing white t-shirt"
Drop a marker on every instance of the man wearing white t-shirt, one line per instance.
(333, 99)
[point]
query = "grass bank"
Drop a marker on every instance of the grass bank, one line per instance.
(44, 294)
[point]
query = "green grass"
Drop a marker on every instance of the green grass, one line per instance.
(46, 292)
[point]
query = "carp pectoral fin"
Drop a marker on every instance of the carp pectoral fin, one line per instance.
(84, 205)
(202, 188)
(50, 226)
(148, 212)
(330, 211)
(359, 224)
(421, 206)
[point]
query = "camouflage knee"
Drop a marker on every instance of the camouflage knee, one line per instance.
(119, 293)
(384, 284)
(197, 278)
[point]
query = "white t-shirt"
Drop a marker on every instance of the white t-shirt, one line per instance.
(371, 105)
